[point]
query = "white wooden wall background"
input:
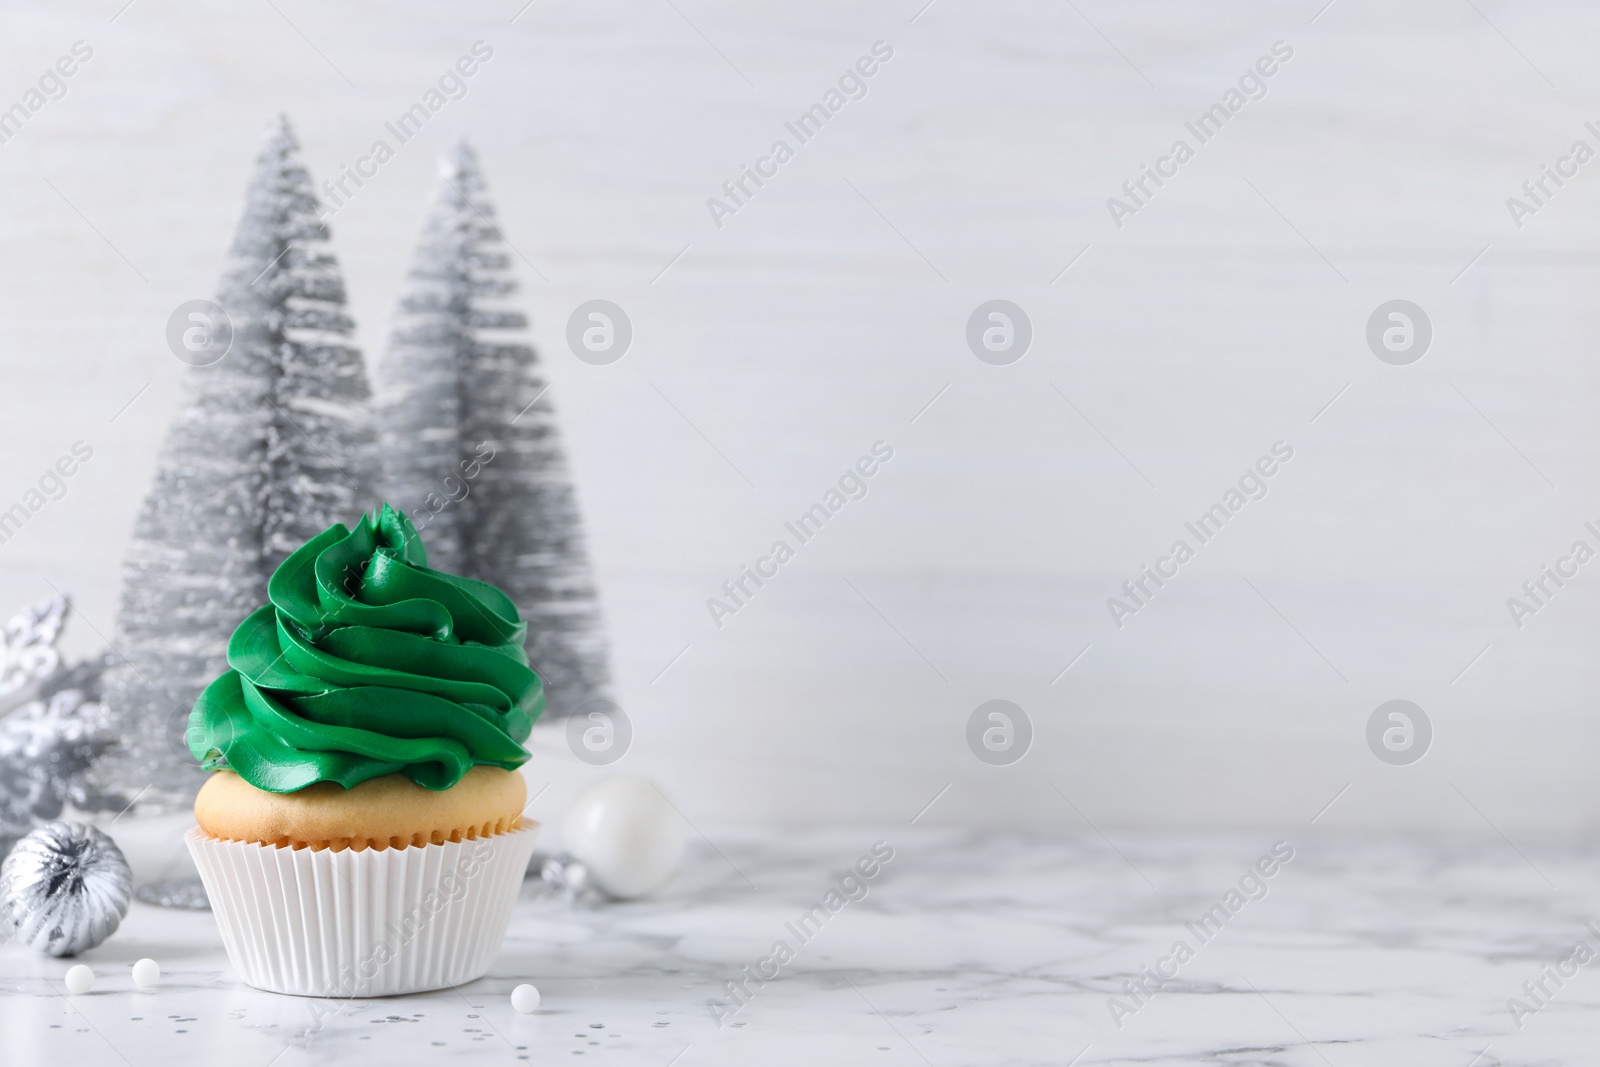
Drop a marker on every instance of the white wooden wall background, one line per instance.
(830, 309)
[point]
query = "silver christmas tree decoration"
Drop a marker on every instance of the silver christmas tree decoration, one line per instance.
(471, 447)
(63, 889)
(273, 445)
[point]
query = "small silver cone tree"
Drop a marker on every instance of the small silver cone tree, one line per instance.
(273, 443)
(470, 443)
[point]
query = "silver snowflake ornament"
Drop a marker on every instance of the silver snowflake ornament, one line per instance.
(28, 652)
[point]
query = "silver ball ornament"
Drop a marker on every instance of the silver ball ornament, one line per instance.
(64, 888)
(565, 875)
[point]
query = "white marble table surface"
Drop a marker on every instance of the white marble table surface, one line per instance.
(968, 949)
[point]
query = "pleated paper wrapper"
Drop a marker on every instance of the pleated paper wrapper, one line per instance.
(371, 923)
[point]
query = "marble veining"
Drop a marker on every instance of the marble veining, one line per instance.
(965, 948)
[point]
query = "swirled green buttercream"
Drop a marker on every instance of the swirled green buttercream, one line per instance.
(367, 662)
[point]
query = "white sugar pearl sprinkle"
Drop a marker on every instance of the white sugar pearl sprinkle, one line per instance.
(80, 979)
(146, 973)
(525, 998)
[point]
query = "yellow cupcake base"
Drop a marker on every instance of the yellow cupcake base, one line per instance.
(388, 812)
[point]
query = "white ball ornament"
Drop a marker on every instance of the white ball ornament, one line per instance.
(146, 973)
(525, 999)
(80, 979)
(627, 834)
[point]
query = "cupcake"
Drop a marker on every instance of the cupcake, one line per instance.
(362, 832)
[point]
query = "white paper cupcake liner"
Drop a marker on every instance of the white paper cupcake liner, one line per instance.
(362, 924)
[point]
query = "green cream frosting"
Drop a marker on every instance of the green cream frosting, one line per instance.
(367, 662)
